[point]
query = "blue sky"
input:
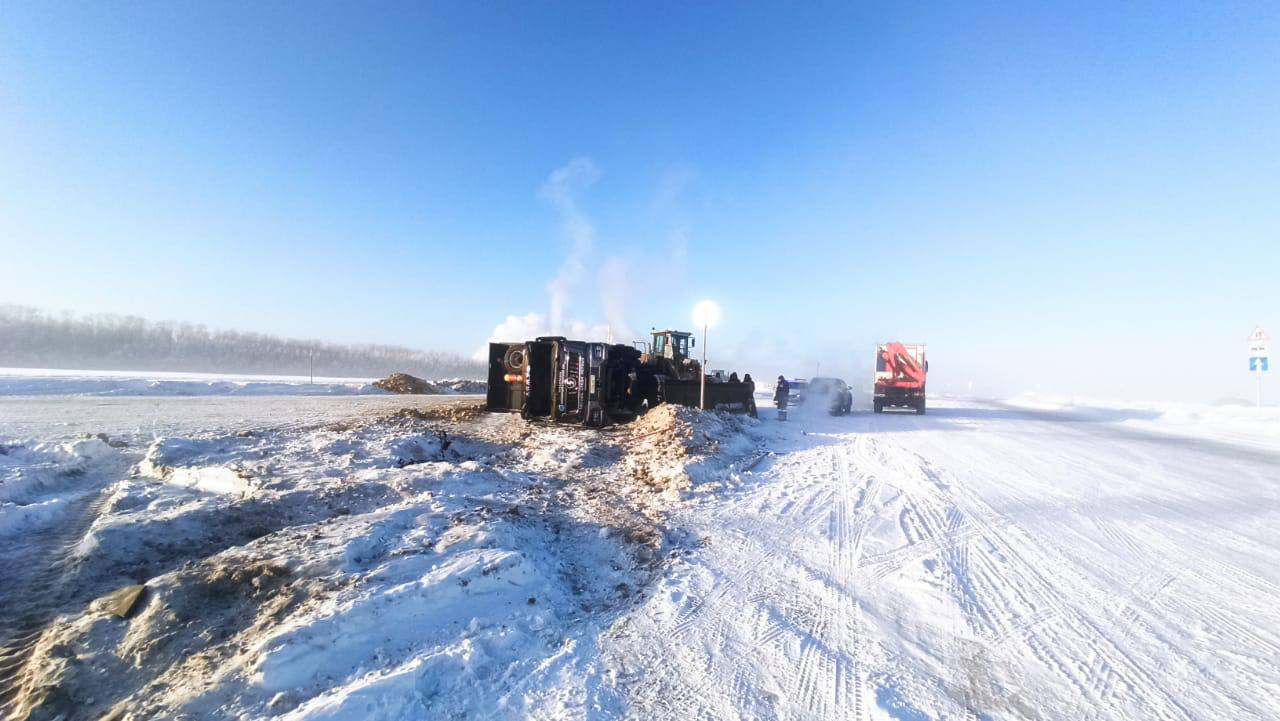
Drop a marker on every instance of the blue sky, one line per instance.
(1079, 199)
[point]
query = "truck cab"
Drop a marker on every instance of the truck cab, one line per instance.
(673, 344)
(672, 353)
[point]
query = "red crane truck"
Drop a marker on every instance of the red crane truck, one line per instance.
(900, 374)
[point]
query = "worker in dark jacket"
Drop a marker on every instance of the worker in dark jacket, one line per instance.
(781, 393)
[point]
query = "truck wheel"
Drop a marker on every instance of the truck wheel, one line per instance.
(877, 405)
(920, 407)
(514, 360)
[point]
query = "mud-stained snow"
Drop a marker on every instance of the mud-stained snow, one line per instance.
(1023, 560)
(434, 561)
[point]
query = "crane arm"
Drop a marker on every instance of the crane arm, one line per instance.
(902, 366)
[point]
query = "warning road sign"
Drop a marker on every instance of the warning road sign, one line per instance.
(1258, 356)
(1258, 343)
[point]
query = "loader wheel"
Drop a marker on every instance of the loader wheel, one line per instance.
(920, 407)
(877, 405)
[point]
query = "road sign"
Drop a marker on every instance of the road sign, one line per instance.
(1258, 343)
(1259, 356)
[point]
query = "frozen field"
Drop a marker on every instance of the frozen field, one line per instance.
(51, 381)
(403, 558)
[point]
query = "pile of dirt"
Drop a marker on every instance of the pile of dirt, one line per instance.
(405, 383)
(192, 627)
(673, 447)
(456, 411)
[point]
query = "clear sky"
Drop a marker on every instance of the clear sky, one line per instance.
(1082, 198)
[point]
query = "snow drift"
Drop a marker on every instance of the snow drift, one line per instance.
(443, 565)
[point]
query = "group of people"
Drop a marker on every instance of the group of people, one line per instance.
(781, 392)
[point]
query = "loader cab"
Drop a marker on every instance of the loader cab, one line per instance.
(672, 344)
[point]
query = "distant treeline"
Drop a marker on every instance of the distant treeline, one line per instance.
(31, 338)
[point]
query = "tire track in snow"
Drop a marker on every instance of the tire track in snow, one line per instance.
(1100, 615)
(792, 577)
(754, 576)
(1013, 568)
(45, 593)
(850, 676)
(826, 660)
(1103, 650)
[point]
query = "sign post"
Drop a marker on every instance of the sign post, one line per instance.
(1259, 357)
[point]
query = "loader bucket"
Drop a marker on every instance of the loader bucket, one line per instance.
(725, 396)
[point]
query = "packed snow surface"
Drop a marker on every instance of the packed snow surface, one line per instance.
(1026, 560)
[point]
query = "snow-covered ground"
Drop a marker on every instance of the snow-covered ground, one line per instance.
(52, 381)
(56, 382)
(1239, 423)
(985, 561)
(978, 562)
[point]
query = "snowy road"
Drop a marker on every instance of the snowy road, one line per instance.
(977, 562)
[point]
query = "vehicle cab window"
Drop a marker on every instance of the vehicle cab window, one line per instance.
(660, 345)
(682, 346)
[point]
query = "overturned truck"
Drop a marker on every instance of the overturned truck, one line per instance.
(595, 384)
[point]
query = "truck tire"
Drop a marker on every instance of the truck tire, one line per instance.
(877, 405)
(920, 407)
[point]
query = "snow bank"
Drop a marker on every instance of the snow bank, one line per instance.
(215, 465)
(675, 447)
(418, 566)
(29, 470)
(1229, 422)
(16, 518)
